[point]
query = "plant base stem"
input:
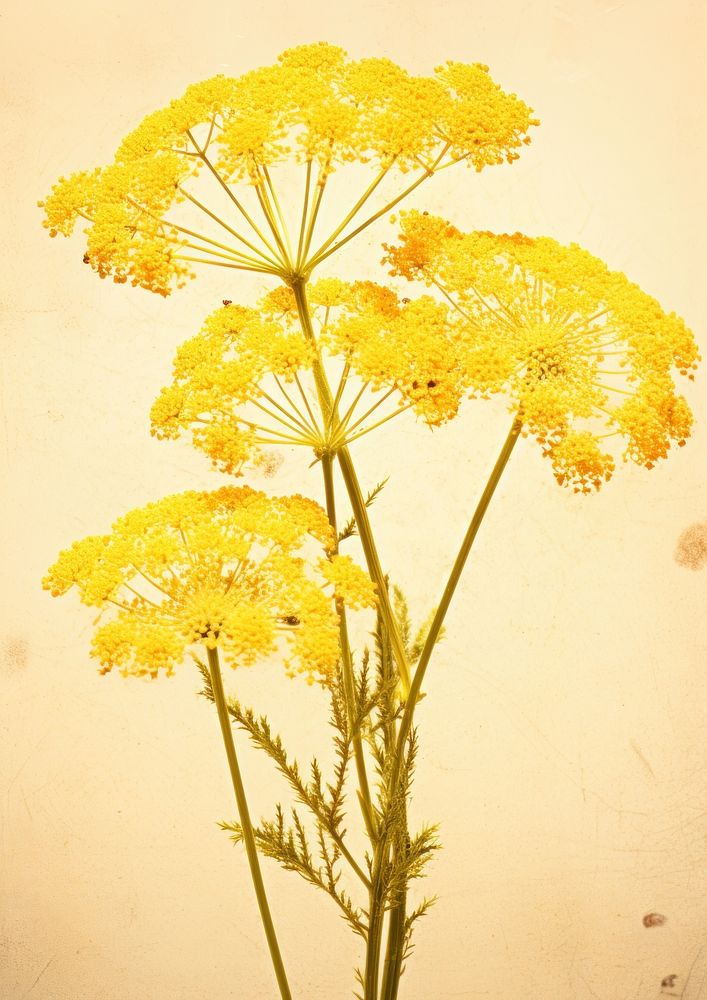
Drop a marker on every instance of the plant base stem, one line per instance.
(246, 826)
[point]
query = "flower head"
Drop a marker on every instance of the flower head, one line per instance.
(246, 379)
(313, 106)
(222, 369)
(585, 355)
(228, 569)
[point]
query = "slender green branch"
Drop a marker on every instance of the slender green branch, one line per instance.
(386, 208)
(246, 826)
(305, 206)
(217, 218)
(291, 401)
(397, 925)
(278, 210)
(223, 263)
(355, 496)
(357, 207)
(236, 202)
(453, 580)
(267, 209)
(347, 671)
(292, 418)
(314, 212)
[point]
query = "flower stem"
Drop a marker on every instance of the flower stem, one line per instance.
(347, 669)
(396, 927)
(428, 172)
(454, 578)
(246, 826)
(356, 499)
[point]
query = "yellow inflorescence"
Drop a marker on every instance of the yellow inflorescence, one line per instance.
(351, 584)
(405, 344)
(239, 383)
(314, 105)
(220, 370)
(586, 356)
(226, 569)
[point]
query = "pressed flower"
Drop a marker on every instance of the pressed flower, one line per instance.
(315, 107)
(586, 356)
(228, 569)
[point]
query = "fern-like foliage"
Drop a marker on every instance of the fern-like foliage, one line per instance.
(317, 860)
(288, 844)
(317, 850)
(349, 528)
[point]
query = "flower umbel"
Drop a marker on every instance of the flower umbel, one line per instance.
(313, 107)
(585, 354)
(246, 379)
(224, 569)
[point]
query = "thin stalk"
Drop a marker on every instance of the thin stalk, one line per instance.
(262, 195)
(312, 219)
(386, 208)
(347, 668)
(392, 966)
(222, 263)
(286, 421)
(376, 916)
(246, 826)
(342, 422)
(235, 258)
(340, 388)
(396, 921)
(379, 423)
(233, 198)
(292, 418)
(368, 412)
(396, 929)
(183, 229)
(451, 586)
(305, 206)
(303, 394)
(229, 229)
(357, 207)
(291, 401)
(278, 210)
(358, 503)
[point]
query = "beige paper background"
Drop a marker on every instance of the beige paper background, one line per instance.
(564, 749)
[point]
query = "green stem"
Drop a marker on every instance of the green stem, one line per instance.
(348, 674)
(392, 967)
(376, 916)
(453, 580)
(358, 503)
(396, 923)
(246, 826)
(357, 207)
(396, 927)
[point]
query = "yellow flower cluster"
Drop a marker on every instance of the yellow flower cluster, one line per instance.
(351, 584)
(314, 105)
(220, 370)
(241, 382)
(404, 344)
(227, 569)
(584, 353)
